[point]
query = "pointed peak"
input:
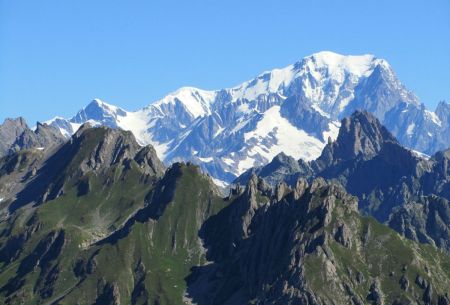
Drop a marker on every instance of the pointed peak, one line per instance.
(443, 102)
(40, 126)
(94, 103)
(384, 69)
(19, 121)
(281, 156)
(363, 117)
(362, 114)
(360, 135)
(196, 101)
(256, 184)
(100, 112)
(101, 104)
(300, 187)
(97, 105)
(363, 126)
(83, 128)
(442, 106)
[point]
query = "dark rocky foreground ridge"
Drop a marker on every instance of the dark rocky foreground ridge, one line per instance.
(393, 184)
(99, 220)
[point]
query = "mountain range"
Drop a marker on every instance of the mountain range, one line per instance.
(100, 220)
(339, 193)
(292, 110)
(408, 192)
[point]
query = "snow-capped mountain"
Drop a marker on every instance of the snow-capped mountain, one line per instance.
(294, 110)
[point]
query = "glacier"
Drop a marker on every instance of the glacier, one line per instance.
(295, 110)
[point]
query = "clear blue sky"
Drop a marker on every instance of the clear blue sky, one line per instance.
(56, 56)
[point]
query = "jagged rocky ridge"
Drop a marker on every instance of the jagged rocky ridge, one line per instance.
(46, 176)
(387, 178)
(292, 110)
(15, 135)
(22, 152)
(306, 245)
(123, 231)
(59, 247)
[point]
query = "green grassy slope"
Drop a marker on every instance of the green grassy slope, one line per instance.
(122, 232)
(152, 258)
(376, 254)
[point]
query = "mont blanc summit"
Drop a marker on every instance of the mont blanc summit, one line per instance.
(294, 110)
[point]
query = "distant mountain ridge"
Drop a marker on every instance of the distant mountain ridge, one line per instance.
(16, 135)
(292, 110)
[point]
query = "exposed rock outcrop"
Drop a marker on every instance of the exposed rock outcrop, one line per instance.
(290, 249)
(15, 135)
(389, 180)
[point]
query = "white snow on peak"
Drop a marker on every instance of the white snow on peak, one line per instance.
(105, 106)
(196, 101)
(359, 65)
(433, 117)
(316, 71)
(326, 81)
(267, 82)
(325, 77)
(100, 102)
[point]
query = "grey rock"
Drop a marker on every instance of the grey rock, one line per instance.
(90, 150)
(15, 135)
(282, 167)
(425, 220)
(300, 188)
(44, 136)
(375, 295)
(359, 277)
(10, 130)
(404, 283)
(421, 282)
(393, 184)
(443, 300)
(428, 294)
(253, 237)
(360, 136)
(343, 235)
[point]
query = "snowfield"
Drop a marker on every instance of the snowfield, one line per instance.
(228, 131)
